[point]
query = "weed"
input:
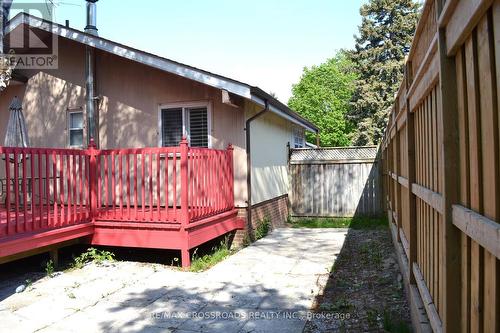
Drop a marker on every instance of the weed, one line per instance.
(394, 325)
(92, 255)
(262, 228)
(206, 261)
(372, 317)
(377, 257)
(246, 240)
(49, 268)
(341, 304)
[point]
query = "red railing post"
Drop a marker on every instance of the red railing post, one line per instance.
(230, 150)
(93, 179)
(184, 215)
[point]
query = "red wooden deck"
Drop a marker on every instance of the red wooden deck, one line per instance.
(167, 198)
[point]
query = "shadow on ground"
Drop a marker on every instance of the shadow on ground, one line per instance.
(28, 270)
(229, 308)
(364, 291)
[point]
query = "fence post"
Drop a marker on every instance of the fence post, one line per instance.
(230, 152)
(411, 173)
(184, 217)
(398, 171)
(92, 151)
(448, 137)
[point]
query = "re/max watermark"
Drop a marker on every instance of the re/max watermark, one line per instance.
(250, 315)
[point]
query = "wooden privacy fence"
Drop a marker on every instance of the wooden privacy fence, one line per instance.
(335, 182)
(441, 162)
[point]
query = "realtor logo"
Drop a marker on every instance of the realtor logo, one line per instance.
(32, 45)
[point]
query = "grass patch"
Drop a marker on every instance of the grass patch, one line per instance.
(347, 222)
(206, 261)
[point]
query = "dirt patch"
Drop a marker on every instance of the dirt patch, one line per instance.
(364, 292)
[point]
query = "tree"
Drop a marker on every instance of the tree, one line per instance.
(384, 40)
(322, 96)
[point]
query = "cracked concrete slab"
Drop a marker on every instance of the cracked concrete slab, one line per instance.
(265, 287)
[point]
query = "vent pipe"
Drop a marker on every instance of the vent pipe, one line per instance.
(91, 27)
(91, 99)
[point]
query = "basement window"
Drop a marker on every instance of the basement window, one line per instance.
(189, 119)
(75, 129)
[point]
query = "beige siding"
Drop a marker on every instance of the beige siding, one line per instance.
(270, 135)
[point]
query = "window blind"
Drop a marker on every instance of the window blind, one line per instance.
(198, 127)
(171, 122)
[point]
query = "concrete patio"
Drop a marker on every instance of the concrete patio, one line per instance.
(266, 287)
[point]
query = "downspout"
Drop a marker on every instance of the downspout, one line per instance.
(91, 98)
(249, 165)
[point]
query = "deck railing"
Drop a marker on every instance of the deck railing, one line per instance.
(138, 184)
(43, 188)
(210, 182)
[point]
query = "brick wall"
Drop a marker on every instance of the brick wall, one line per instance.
(275, 210)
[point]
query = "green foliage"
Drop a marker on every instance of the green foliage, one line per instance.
(384, 40)
(246, 240)
(262, 229)
(49, 268)
(348, 222)
(92, 255)
(394, 325)
(372, 317)
(322, 96)
(206, 261)
(340, 304)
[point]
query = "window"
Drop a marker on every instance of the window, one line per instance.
(171, 127)
(191, 120)
(75, 129)
(298, 137)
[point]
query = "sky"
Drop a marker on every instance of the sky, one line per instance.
(259, 42)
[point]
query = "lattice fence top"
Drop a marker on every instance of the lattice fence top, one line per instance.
(333, 154)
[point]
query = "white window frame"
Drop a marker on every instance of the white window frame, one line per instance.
(69, 113)
(295, 131)
(185, 107)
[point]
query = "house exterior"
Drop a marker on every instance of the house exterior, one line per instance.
(148, 101)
